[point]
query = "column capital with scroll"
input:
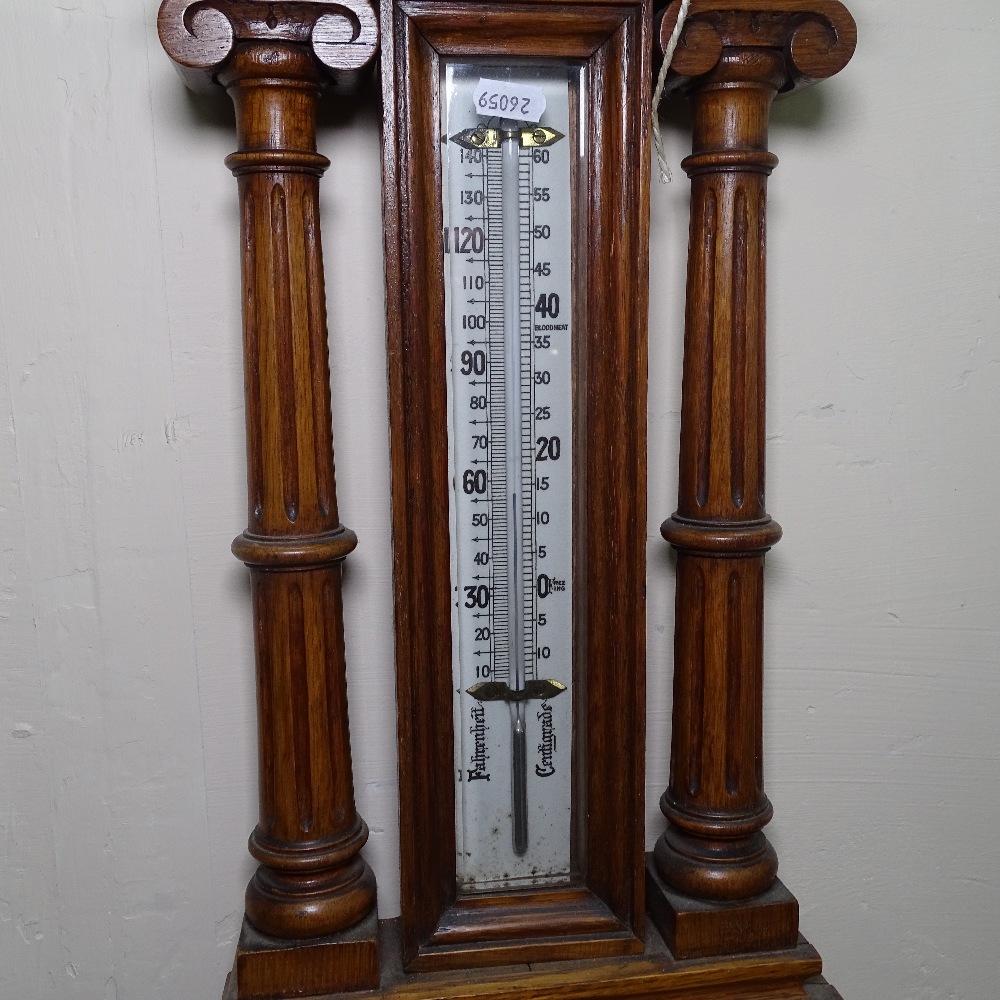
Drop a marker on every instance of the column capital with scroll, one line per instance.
(816, 40)
(201, 35)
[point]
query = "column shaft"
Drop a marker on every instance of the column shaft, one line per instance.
(312, 880)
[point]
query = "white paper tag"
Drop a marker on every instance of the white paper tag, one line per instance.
(501, 99)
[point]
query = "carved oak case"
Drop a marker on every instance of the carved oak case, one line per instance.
(724, 925)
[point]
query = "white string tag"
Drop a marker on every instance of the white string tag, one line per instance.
(661, 157)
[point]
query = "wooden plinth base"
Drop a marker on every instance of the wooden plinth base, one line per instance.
(695, 929)
(792, 974)
(268, 968)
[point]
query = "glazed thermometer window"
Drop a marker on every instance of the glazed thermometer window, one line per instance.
(510, 138)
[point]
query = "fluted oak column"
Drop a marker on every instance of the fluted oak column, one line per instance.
(310, 908)
(712, 877)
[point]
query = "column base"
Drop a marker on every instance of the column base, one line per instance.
(269, 968)
(694, 928)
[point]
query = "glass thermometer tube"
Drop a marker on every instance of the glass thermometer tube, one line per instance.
(509, 294)
(514, 397)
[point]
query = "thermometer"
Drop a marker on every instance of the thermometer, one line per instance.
(507, 173)
(516, 165)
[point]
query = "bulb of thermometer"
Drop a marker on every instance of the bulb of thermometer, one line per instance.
(508, 160)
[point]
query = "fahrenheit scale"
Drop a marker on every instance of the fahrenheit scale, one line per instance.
(507, 166)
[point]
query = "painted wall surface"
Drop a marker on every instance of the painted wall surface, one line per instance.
(127, 725)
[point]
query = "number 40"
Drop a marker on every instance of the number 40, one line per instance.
(547, 306)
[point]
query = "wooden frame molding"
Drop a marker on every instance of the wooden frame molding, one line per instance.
(310, 908)
(734, 57)
(603, 912)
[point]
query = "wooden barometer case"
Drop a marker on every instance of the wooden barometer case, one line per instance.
(516, 162)
(516, 185)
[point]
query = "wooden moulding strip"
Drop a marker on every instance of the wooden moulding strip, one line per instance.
(782, 975)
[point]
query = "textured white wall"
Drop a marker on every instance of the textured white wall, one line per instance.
(127, 733)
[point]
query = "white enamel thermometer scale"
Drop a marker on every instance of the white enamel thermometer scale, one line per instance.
(509, 307)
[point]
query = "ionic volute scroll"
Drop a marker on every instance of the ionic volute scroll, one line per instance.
(200, 35)
(816, 38)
